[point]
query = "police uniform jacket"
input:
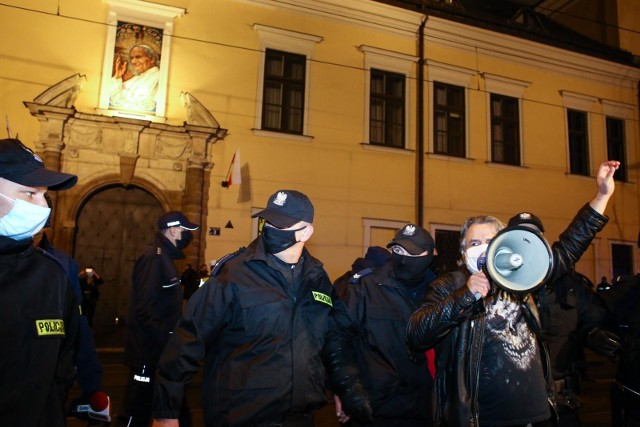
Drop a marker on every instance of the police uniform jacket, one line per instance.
(372, 315)
(156, 302)
(450, 321)
(261, 341)
(38, 324)
(623, 299)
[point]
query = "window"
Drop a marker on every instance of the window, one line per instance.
(283, 90)
(505, 130)
(448, 247)
(386, 114)
(578, 142)
(284, 84)
(448, 120)
(616, 146)
(622, 259)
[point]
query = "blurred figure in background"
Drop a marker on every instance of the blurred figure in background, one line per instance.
(90, 280)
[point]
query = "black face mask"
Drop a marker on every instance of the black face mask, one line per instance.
(184, 241)
(277, 240)
(410, 270)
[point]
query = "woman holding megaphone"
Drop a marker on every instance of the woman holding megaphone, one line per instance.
(492, 366)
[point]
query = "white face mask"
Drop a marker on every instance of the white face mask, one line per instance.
(471, 257)
(24, 220)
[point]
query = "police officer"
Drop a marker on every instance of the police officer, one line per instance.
(38, 310)
(156, 304)
(372, 317)
(623, 300)
(375, 257)
(263, 325)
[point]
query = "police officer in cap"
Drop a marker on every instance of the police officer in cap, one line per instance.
(263, 325)
(39, 313)
(372, 317)
(156, 305)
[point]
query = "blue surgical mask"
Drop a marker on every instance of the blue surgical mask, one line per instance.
(24, 220)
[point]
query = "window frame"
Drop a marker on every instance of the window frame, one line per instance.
(393, 62)
(439, 72)
(581, 103)
(389, 105)
(508, 88)
(578, 140)
(510, 126)
(454, 139)
(289, 86)
(291, 42)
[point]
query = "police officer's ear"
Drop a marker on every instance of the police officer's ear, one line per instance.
(306, 233)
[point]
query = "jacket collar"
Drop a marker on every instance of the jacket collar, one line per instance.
(165, 246)
(9, 246)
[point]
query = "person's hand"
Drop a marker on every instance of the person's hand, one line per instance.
(355, 403)
(119, 68)
(165, 423)
(478, 283)
(606, 185)
(603, 342)
(342, 417)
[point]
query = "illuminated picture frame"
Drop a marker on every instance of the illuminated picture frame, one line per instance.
(136, 59)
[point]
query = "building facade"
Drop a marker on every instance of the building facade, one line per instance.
(382, 114)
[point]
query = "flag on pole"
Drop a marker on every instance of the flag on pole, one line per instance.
(234, 176)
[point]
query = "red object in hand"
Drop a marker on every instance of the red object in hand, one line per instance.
(98, 401)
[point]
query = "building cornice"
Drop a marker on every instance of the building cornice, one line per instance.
(365, 13)
(528, 53)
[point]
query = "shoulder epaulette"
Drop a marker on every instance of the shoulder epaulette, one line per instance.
(360, 274)
(222, 261)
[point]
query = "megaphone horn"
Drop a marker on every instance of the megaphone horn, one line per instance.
(519, 259)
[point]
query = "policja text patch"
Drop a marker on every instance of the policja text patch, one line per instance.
(322, 298)
(50, 327)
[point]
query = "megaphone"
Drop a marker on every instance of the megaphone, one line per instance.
(518, 259)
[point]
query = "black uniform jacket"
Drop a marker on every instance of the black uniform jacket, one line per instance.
(449, 321)
(261, 341)
(38, 324)
(156, 303)
(372, 316)
(623, 299)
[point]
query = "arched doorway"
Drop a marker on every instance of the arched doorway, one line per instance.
(113, 225)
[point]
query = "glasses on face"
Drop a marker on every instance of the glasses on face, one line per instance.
(399, 250)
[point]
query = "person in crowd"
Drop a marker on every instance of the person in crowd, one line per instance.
(140, 91)
(39, 312)
(492, 364)
(88, 367)
(263, 325)
(604, 285)
(204, 272)
(623, 300)
(190, 279)
(371, 318)
(90, 281)
(155, 306)
(375, 257)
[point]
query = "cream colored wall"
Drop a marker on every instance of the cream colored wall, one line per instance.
(215, 56)
(629, 24)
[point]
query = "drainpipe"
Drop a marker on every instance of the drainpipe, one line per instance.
(420, 128)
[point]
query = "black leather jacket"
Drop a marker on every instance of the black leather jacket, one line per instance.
(452, 322)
